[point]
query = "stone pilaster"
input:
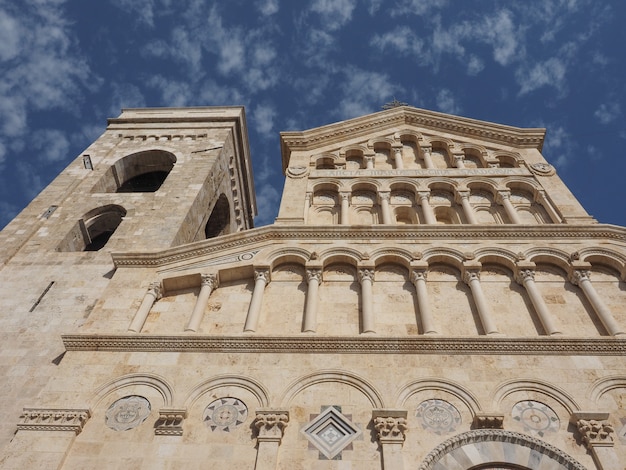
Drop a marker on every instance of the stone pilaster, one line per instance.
(391, 427)
(270, 425)
(598, 435)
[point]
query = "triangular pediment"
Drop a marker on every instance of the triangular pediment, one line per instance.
(422, 120)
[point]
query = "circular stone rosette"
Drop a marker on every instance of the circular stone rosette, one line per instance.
(536, 418)
(127, 413)
(438, 416)
(225, 414)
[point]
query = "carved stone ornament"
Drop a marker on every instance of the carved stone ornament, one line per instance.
(45, 419)
(225, 414)
(271, 424)
(537, 418)
(331, 432)
(170, 422)
(488, 421)
(297, 171)
(127, 413)
(596, 433)
(438, 416)
(390, 428)
(542, 169)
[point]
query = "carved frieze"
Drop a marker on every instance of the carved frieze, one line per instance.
(170, 422)
(53, 419)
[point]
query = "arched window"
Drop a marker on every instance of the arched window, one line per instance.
(219, 220)
(94, 229)
(141, 172)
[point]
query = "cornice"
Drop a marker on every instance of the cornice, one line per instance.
(354, 345)
(303, 233)
(430, 120)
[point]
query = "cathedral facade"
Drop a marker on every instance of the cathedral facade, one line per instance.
(430, 296)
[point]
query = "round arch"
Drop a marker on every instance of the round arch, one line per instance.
(153, 381)
(229, 380)
(338, 376)
(534, 385)
(506, 448)
(433, 383)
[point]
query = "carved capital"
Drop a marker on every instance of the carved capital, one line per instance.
(471, 275)
(463, 193)
(418, 275)
(385, 195)
(39, 419)
(270, 424)
(458, 159)
(314, 274)
(366, 275)
(488, 421)
(155, 289)
(596, 433)
(504, 195)
(262, 274)
(344, 196)
(580, 275)
(209, 280)
(390, 425)
(427, 149)
(524, 275)
(170, 422)
(423, 195)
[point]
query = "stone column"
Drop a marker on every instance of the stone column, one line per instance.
(345, 208)
(468, 210)
(369, 161)
(429, 214)
(418, 278)
(472, 278)
(526, 277)
(385, 196)
(545, 202)
(152, 295)
(313, 276)
(581, 278)
(261, 278)
(397, 150)
(391, 426)
(598, 436)
(505, 200)
(458, 161)
(208, 283)
(308, 200)
(270, 425)
(428, 161)
(366, 277)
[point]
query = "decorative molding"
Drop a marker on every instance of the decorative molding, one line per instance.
(451, 172)
(497, 435)
(542, 169)
(53, 419)
(390, 428)
(170, 422)
(606, 346)
(488, 421)
(297, 172)
(270, 234)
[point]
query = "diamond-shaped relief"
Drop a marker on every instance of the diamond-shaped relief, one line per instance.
(330, 432)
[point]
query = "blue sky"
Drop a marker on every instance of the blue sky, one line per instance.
(68, 65)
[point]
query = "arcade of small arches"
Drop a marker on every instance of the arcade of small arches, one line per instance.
(434, 201)
(444, 293)
(409, 150)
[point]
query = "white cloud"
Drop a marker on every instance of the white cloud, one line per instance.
(608, 112)
(263, 117)
(335, 13)
(475, 65)
(212, 93)
(52, 145)
(173, 93)
(446, 102)
(402, 39)
(125, 95)
(10, 36)
(500, 32)
(373, 6)
(268, 7)
(364, 92)
(417, 7)
(551, 72)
